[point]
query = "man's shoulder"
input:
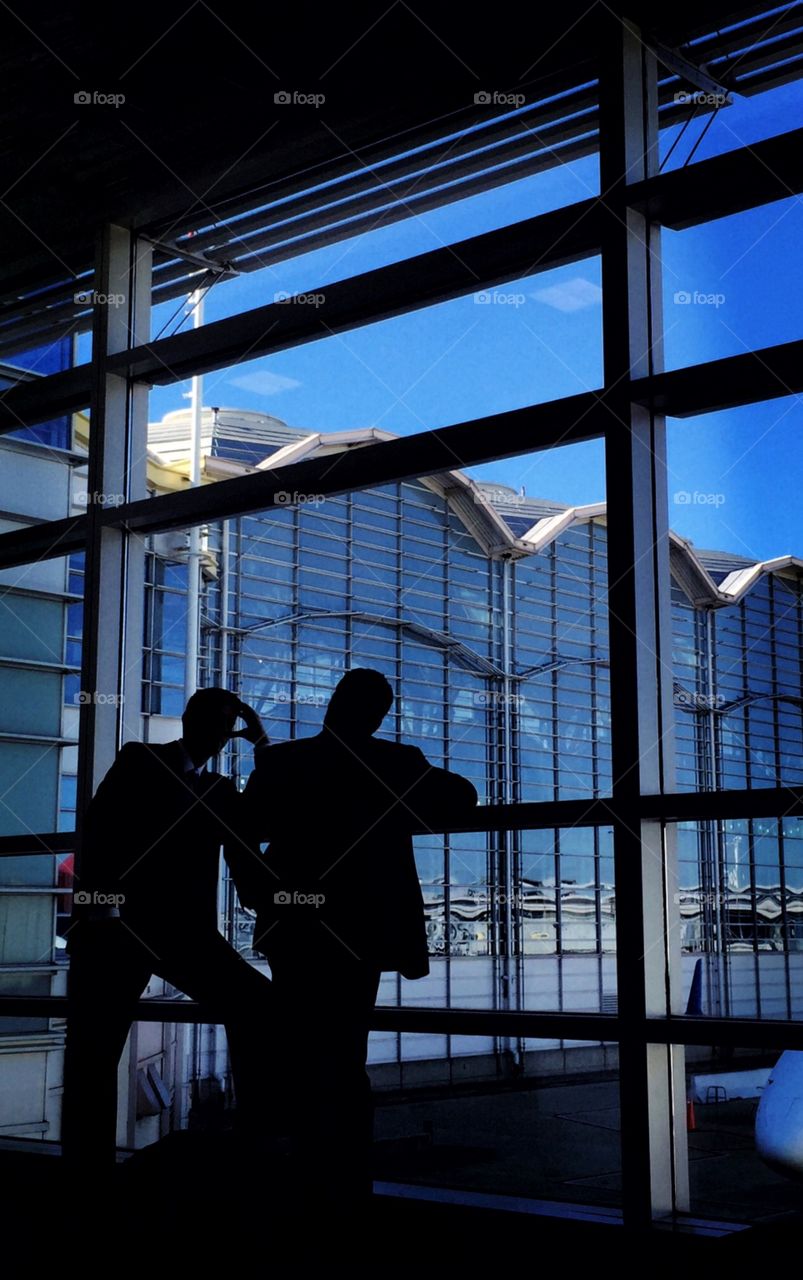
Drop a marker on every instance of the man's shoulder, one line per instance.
(406, 747)
(294, 747)
(280, 755)
(160, 759)
(134, 753)
(400, 751)
(130, 767)
(394, 760)
(145, 753)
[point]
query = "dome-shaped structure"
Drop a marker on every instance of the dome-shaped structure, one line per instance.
(240, 435)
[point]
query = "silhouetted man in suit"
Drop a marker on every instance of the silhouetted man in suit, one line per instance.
(147, 904)
(340, 902)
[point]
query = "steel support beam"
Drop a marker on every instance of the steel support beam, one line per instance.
(728, 383)
(651, 1078)
(769, 1036)
(114, 566)
(682, 806)
(742, 179)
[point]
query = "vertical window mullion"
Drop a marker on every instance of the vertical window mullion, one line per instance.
(654, 1158)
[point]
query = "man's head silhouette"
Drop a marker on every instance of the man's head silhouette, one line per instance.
(359, 704)
(208, 722)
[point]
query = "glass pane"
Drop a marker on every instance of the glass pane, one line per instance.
(496, 349)
(40, 654)
(34, 916)
(56, 356)
(704, 125)
(736, 599)
(738, 902)
(732, 284)
(41, 605)
(744, 1134)
(470, 1131)
(456, 1124)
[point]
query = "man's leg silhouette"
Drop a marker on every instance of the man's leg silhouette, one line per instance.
(210, 971)
(323, 1011)
(109, 969)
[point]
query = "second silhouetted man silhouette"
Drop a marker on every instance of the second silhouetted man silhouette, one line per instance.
(339, 903)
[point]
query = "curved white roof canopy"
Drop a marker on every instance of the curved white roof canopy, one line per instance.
(482, 508)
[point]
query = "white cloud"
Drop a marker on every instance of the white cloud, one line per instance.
(264, 383)
(571, 295)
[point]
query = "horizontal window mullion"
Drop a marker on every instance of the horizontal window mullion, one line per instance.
(49, 842)
(531, 1023)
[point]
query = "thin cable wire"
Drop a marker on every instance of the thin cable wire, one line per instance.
(680, 135)
(184, 302)
(711, 120)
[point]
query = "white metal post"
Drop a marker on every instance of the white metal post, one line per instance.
(194, 556)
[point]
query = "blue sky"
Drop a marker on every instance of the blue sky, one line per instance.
(731, 285)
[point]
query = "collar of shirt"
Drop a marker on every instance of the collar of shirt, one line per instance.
(189, 767)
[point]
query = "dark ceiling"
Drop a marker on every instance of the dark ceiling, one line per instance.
(199, 122)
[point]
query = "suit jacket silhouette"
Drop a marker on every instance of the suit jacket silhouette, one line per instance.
(153, 835)
(339, 869)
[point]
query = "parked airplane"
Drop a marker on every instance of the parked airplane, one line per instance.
(779, 1119)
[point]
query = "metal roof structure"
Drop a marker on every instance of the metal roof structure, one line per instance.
(174, 161)
(504, 527)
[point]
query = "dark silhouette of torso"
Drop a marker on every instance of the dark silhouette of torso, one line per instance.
(339, 818)
(153, 835)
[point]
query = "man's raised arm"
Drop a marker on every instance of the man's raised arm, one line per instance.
(435, 796)
(241, 846)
